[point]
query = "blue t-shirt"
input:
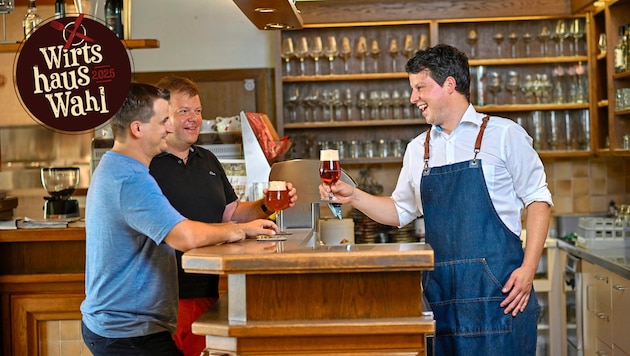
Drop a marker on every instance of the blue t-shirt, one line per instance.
(130, 274)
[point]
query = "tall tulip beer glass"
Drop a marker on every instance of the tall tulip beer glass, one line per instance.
(278, 200)
(329, 168)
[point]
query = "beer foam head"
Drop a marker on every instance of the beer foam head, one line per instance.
(275, 185)
(329, 155)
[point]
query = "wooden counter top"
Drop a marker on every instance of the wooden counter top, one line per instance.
(41, 235)
(295, 256)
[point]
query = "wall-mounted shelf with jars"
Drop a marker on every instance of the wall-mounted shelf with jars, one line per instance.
(346, 82)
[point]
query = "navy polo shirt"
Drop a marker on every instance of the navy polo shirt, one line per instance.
(199, 190)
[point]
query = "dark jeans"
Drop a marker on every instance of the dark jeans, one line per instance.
(159, 344)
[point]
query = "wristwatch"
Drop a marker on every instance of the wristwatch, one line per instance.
(265, 209)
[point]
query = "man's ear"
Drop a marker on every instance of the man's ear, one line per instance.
(134, 128)
(450, 84)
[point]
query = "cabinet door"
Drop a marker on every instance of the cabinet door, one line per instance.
(620, 293)
(596, 309)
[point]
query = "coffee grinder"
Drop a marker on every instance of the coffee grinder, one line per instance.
(60, 182)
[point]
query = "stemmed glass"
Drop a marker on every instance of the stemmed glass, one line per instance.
(316, 52)
(527, 38)
(286, 54)
(292, 103)
(6, 7)
(577, 32)
(409, 49)
(397, 104)
(361, 53)
(472, 39)
(393, 52)
(345, 53)
(498, 39)
(278, 199)
(512, 84)
(329, 169)
(375, 51)
(494, 86)
(386, 104)
(301, 53)
(362, 104)
(513, 38)
(311, 101)
(331, 52)
(544, 37)
(560, 35)
(347, 102)
(375, 103)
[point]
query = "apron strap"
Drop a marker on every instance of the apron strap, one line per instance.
(479, 137)
(426, 150)
(482, 128)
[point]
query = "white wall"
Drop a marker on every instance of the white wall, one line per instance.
(197, 35)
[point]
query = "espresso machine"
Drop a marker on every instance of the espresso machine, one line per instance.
(60, 183)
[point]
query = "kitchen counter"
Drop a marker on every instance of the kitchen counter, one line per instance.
(616, 260)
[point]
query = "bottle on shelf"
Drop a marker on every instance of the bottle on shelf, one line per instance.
(60, 9)
(621, 50)
(31, 19)
(114, 16)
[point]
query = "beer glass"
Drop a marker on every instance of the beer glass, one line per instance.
(278, 199)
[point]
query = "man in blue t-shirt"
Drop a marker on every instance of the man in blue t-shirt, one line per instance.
(132, 233)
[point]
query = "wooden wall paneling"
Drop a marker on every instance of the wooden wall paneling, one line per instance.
(400, 10)
(28, 310)
(223, 92)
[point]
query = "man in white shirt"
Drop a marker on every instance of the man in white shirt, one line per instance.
(471, 176)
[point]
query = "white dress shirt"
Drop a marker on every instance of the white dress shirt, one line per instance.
(512, 169)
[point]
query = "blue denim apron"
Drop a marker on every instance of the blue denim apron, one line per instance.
(475, 253)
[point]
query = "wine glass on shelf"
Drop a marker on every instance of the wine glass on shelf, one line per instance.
(559, 35)
(316, 52)
(362, 104)
(375, 51)
(301, 53)
(6, 7)
(408, 48)
(513, 38)
(512, 84)
(498, 39)
(278, 199)
(345, 53)
(329, 169)
(472, 39)
(362, 53)
(393, 52)
(527, 38)
(494, 86)
(544, 37)
(287, 53)
(331, 52)
(577, 32)
(292, 104)
(347, 102)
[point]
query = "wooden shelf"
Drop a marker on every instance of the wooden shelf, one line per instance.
(622, 75)
(129, 44)
(530, 107)
(368, 123)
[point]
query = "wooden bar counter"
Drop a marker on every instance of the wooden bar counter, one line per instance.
(295, 299)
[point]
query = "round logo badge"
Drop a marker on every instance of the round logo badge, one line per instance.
(72, 74)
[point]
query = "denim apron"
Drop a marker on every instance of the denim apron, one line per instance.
(475, 253)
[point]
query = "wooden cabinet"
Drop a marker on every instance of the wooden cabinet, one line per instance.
(597, 309)
(613, 122)
(535, 70)
(620, 295)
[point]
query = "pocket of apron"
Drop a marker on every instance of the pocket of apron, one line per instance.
(465, 297)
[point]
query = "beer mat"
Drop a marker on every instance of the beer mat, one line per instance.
(270, 238)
